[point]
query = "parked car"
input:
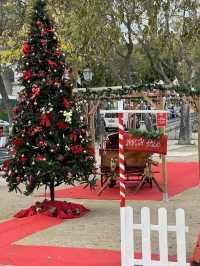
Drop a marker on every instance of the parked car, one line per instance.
(4, 123)
(111, 121)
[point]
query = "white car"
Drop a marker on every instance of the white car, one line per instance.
(111, 121)
(4, 123)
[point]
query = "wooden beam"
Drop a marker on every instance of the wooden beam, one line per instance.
(163, 157)
(149, 100)
(198, 121)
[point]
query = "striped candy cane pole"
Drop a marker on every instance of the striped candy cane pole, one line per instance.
(121, 160)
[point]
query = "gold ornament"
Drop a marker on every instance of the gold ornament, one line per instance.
(18, 178)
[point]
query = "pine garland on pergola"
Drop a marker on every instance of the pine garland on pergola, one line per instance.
(128, 90)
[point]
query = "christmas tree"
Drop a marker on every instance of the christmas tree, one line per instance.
(49, 143)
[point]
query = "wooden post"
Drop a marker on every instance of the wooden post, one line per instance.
(164, 168)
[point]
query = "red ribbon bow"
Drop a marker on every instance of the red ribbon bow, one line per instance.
(5, 166)
(45, 120)
(18, 141)
(27, 74)
(66, 103)
(26, 48)
(52, 64)
(62, 125)
(73, 136)
(77, 149)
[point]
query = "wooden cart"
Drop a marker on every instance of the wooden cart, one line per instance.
(138, 165)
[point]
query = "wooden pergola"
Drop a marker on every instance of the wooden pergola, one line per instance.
(155, 96)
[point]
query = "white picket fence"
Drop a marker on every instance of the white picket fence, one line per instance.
(127, 237)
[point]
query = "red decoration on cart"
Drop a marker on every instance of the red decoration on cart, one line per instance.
(161, 119)
(145, 144)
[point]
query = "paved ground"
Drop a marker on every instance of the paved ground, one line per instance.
(101, 227)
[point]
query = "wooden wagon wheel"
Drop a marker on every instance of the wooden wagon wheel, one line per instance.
(111, 177)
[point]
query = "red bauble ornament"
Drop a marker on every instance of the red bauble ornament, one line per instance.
(44, 42)
(43, 33)
(14, 110)
(62, 125)
(66, 103)
(39, 24)
(5, 166)
(42, 143)
(57, 53)
(45, 120)
(12, 152)
(77, 149)
(18, 141)
(73, 136)
(40, 157)
(91, 150)
(27, 74)
(23, 159)
(52, 64)
(26, 48)
(35, 130)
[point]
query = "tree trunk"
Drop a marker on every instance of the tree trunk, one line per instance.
(52, 191)
(148, 122)
(5, 98)
(185, 125)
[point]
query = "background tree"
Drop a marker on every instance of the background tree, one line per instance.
(11, 29)
(50, 143)
(126, 41)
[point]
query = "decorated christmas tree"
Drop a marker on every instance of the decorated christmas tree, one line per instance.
(49, 143)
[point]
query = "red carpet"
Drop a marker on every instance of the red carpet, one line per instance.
(60, 256)
(16, 229)
(20, 255)
(181, 176)
(16, 255)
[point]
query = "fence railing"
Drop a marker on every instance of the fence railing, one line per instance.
(127, 238)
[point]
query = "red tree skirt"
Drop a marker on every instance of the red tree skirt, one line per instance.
(59, 209)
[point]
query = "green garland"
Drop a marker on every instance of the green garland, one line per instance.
(148, 134)
(93, 93)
